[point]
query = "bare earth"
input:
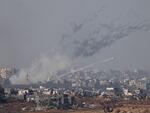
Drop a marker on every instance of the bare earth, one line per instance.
(16, 107)
(127, 109)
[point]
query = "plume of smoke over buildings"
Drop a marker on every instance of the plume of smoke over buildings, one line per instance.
(98, 38)
(87, 38)
(42, 68)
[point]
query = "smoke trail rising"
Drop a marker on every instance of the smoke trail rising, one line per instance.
(86, 39)
(92, 45)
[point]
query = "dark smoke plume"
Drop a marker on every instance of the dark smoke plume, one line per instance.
(92, 45)
(98, 37)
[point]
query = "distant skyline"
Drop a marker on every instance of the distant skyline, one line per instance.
(31, 28)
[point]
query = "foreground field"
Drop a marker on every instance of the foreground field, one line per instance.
(127, 109)
(132, 107)
(124, 109)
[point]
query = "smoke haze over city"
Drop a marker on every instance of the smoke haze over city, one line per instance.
(55, 35)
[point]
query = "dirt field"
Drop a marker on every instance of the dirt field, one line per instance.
(127, 109)
(17, 107)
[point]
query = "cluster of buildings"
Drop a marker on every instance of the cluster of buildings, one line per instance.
(43, 98)
(5, 72)
(68, 91)
(128, 84)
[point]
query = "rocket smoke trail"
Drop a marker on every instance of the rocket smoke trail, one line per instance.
(103, 36)
(87, 66)
(86, 39)
(91, 35)
(90, 46)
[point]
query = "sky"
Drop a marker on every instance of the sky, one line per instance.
(31, 28)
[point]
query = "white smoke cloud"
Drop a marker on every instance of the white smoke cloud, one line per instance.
(42, 68)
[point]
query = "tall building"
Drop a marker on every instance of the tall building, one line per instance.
(4, 73)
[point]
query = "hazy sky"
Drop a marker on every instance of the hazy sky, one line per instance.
(29, 28)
